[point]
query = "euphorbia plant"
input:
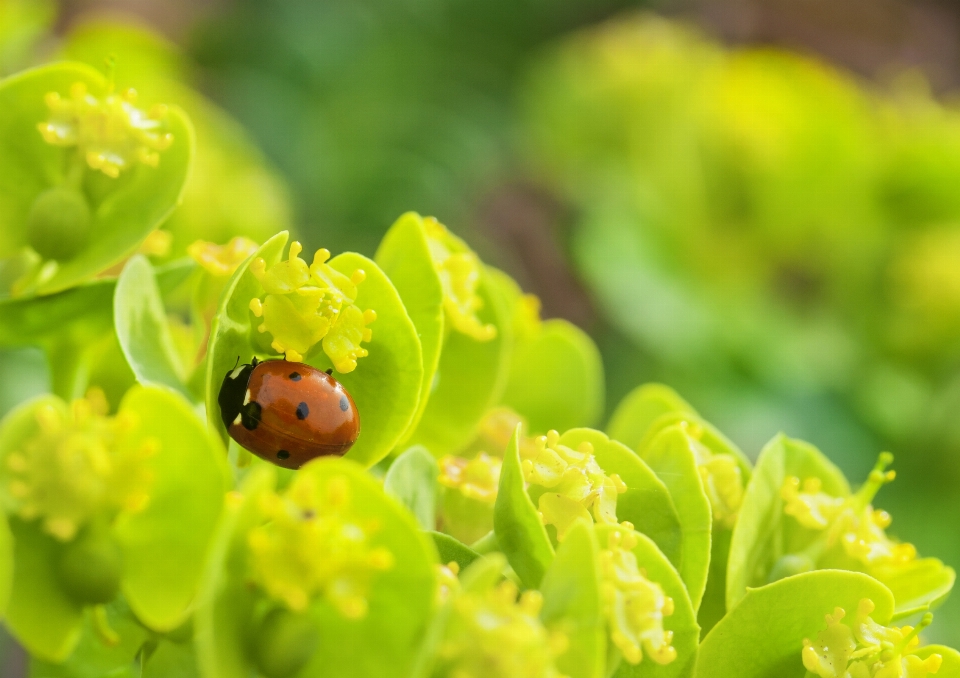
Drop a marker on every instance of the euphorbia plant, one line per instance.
(479, 526)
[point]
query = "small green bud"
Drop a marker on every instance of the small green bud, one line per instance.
(789, 565)
(59, 223)
(284, 642)
(90, 568)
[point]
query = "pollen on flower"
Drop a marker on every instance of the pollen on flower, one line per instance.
(577, 486)
(111, 133)
(850, 521)
(866, 649)
(310, 544)
(222, 260)
(459, 269)
(635, 607)
(447, 578)
(476, 478)
(306, 306)
(76, 468)
(492, 634)
(722, 480)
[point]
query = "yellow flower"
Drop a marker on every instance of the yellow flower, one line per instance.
(866, 649)
(310, 545)
(850, 521)
(491, 634)
(476, 478)
(111, 133)
(306, 305)
(222, 260)
(576, 483)
(459, 270)
(635, 606)
(77, 468)
(722, 479)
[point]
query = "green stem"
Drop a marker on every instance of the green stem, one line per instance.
(69, 369)
(486, 544)
(101, 626)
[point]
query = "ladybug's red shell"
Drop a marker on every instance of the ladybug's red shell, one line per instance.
(288, 413)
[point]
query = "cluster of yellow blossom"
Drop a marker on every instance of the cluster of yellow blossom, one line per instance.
(310, 545)
(865, 649)
(111, 133)
(635, 606)
(851, 521)
(76, 467)
(476, 478)
(576, 483)
(306, 305)
(491, 634)
(459, 270)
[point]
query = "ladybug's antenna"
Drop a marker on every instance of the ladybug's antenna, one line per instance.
(236, 364)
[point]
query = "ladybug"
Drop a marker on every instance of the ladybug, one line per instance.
(288, 413)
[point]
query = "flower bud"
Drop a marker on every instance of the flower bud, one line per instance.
(284, 642)
(58, 224)
(90, 567)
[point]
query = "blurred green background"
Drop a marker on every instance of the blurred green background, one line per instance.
(754, 201)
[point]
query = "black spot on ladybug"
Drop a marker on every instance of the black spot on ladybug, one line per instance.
(329, 370)
(283, 454)
(344, 405)
(250, 415)
(302, 411)
(295, 376)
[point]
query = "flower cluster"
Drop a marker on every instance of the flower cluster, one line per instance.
(722, 480)
(77, 467)
(306, 305)
(459, 270)
(493, 635)
(222, 260)
(476, 478)
(309, 545)
(851, 521)
(865, 649)
(111, 133)
(635, 606)
(576, 483)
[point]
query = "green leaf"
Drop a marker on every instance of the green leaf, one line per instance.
(452, 550)
(763, 635)
(171, 660)
(646, 503)
(40, 615)
(385, 385)
(469, 380)
(683, 621)
(640, 408)
(516, 522)
(412, 480)
(401, 599)
(142, 328)
(222, 617)
(918, 585)
(671, 456)
(124, 210)
(556, 379)
(703, 432)
(6, 563)
(761, 534)
(93, 658)
(163, 561)
(573, 604)
(84, 311)
(404, 255)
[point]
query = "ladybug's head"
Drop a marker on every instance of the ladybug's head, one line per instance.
(234, 390)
